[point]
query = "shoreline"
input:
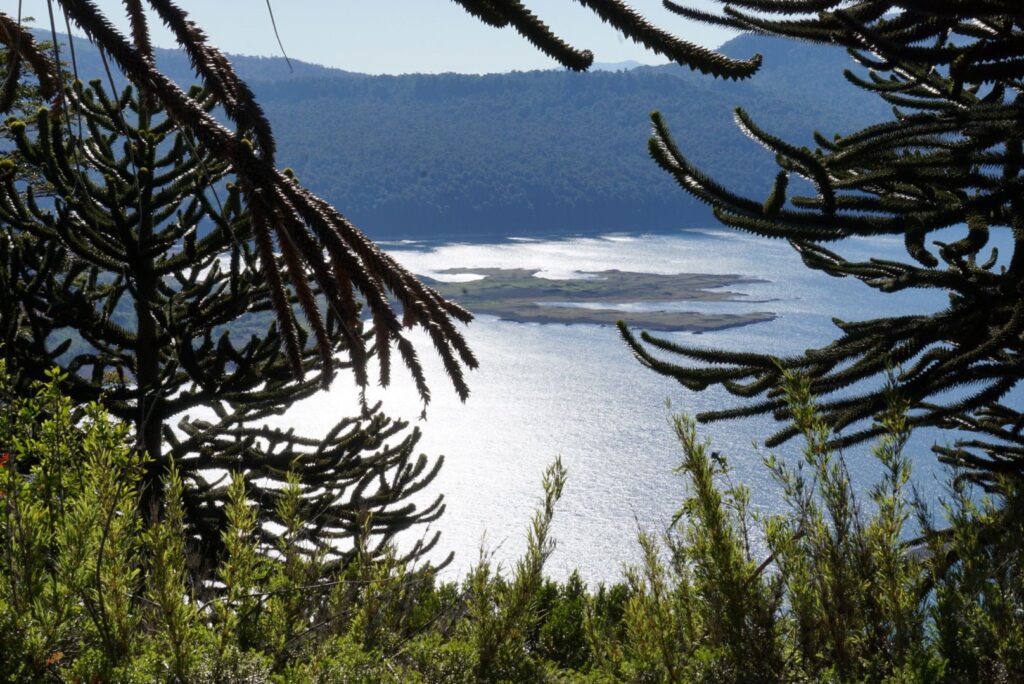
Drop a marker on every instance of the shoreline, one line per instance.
(660, 321)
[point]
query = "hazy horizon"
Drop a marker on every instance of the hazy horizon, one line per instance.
(401, 36)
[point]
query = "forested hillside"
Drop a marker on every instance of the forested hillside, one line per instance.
(538, 152)
(544, 151)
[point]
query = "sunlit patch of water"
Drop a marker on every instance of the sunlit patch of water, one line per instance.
(545, 390)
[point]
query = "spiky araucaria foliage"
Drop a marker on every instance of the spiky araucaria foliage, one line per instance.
(322, 249)
(950, 158)
(140, 277)
(620, 16)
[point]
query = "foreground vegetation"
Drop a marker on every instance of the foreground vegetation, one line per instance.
(121, 561)
(95, 589)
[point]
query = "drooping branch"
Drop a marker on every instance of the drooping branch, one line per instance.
(143, 280)
(949, 161)
(319, 244)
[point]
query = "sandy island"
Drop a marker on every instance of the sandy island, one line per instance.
(520, 295)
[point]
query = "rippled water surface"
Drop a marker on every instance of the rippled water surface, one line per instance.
(576, 391)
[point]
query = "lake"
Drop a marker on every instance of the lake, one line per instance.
(545, 390)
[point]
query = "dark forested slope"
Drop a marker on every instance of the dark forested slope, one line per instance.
(546, 151)
(537, 152)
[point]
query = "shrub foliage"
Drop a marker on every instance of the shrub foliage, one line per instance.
(830, 590)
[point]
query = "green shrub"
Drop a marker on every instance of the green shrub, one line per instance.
(844, 595)
(93, 589)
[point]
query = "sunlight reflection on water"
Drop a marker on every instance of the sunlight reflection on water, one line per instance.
(545, 390)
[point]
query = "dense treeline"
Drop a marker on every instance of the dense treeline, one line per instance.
(542, 152)
(457, 155)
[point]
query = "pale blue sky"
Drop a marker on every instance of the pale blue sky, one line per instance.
(402, 36)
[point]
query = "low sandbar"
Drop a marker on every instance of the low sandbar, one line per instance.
(521, 295)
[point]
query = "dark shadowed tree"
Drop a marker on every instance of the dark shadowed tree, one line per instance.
(944, 173)
(132, 272)
(140, 277)
(321, 248)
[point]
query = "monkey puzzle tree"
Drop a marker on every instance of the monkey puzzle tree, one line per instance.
(122, 260)
(321, 248)
(949, 160)
(140, 278)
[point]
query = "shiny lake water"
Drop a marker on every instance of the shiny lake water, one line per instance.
(576, 391)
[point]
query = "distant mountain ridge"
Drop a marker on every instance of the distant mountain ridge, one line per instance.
(627, 65)
(540, 152)
(175, 63)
